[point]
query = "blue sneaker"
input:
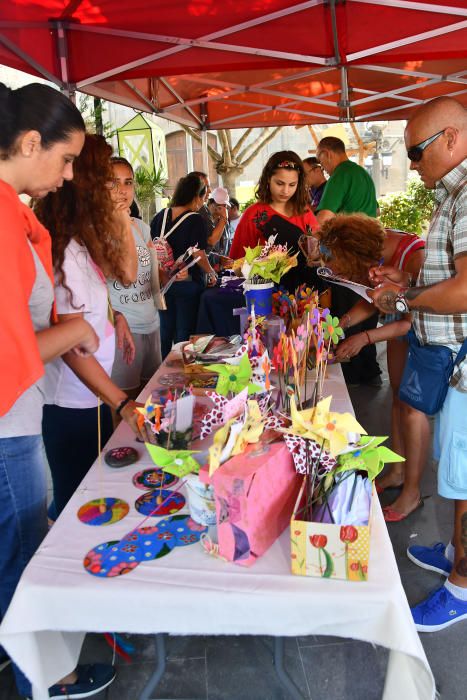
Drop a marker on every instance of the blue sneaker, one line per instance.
(92, 678)
(441, 609)
(430, 558)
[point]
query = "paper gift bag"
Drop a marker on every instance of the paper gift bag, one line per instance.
(326, 550)
(255, 495)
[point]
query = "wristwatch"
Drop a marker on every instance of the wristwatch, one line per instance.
(401, 303)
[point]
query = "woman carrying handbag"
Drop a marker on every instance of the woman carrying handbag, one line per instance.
(175, 230)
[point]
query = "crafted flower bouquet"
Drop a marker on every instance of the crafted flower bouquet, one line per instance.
(267, 263)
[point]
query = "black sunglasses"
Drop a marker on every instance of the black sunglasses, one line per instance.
(415, 153)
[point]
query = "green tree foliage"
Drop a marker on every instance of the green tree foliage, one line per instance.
(92, 109)
(147, 187)
(410, 210)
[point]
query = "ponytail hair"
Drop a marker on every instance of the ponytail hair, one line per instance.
(36, 107)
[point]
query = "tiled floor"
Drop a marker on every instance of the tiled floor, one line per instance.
(324, 668)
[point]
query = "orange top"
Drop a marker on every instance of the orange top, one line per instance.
(20, 361)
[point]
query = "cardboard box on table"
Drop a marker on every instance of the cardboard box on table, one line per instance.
(325, 550)
(255, 495)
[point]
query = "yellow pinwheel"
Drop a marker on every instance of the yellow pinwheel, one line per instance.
(320, 423)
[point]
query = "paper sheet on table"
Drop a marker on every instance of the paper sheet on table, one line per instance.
(326, 274)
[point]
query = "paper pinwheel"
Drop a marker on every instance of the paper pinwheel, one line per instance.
(331, 329)
(233, 438)
(320, 423)
(222, 412)
(177, 462)
(234, 378)
(305, 456)
(369, 456)
(223, 443)
(252, 429)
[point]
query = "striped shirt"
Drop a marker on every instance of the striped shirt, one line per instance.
(447, 239)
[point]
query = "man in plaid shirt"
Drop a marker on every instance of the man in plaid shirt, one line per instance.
(436, 141)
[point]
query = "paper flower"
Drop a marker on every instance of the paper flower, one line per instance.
(331, 328)
(234, 378)
(370, 456)
(177, 462)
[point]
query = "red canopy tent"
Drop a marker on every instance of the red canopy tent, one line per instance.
(237, 64)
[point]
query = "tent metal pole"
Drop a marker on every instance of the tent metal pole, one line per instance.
(62, 54)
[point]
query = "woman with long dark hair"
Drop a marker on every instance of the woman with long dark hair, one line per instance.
(41, 136)
(183, 227)
(282, 211)
(91, 240)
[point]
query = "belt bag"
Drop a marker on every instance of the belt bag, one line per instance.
(427, 374)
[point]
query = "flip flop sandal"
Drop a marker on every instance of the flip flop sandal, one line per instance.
(393, 516)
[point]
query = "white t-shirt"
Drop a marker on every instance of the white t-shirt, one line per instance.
(135, 300)
(90, 297)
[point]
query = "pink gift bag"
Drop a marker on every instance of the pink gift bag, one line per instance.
(255, 494)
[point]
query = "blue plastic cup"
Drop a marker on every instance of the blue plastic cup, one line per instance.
(259, 296)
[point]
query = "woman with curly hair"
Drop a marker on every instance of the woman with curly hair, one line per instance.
(282, 211)
(91, 240)
(350, 245)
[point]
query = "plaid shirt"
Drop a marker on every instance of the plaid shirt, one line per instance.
(447, 238)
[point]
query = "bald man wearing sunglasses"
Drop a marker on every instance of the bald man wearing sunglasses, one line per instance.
(436, 140)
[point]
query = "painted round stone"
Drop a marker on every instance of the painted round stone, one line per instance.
(103, 511)
(185, 530)
(153, 479)
(121, 456)
(160, 502)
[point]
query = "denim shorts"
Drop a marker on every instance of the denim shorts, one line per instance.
(450, 446)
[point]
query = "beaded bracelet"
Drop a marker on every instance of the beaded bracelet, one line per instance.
(370, 342)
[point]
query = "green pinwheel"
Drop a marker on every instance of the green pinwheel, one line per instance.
(176, 462)
(369, 456)
(234, 378)
(331, 328)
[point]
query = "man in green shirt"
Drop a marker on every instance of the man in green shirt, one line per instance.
(349, 190)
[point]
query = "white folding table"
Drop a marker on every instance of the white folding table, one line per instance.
(57, 601)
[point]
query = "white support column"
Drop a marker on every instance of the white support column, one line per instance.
(204, 150)
(189, 152)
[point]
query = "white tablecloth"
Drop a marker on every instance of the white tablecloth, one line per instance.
(57, 600)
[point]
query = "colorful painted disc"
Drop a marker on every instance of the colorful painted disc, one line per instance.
(153, 479)
(109, 559)
(153, 542)
(92, 513)
(170, 502)
(121, 456)
(184, 529)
